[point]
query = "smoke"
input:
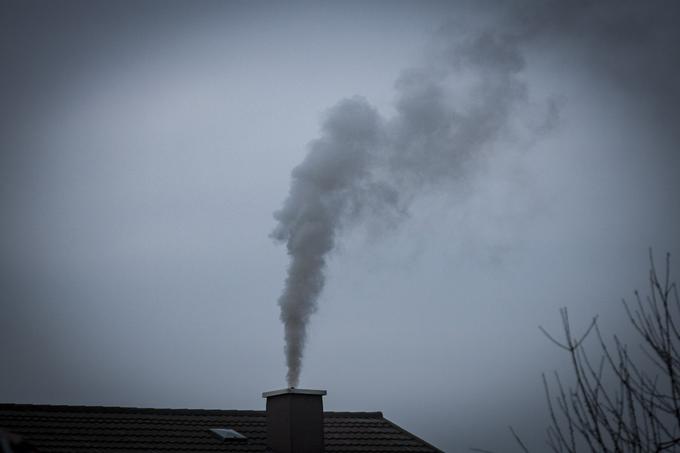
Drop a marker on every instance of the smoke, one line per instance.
(448, 111)
(325, 188)
(451, 112)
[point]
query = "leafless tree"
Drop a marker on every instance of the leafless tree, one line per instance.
(623, 401)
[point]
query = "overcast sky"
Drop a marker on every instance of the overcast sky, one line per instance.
(533, 149)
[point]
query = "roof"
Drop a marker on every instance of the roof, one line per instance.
(126, 429)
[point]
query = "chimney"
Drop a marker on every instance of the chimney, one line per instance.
(295, 420)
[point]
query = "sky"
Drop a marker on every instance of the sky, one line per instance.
(476, 166)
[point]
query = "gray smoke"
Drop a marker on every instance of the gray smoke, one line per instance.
(365, 165)
(325, 187)
(450, 112)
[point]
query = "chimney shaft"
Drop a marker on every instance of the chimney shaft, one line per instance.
(295, 420)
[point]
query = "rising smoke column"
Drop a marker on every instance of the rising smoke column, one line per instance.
(363, 165)
(324, 189)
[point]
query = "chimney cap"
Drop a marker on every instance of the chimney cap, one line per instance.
(293, 390)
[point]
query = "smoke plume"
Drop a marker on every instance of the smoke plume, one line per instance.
(448, 111)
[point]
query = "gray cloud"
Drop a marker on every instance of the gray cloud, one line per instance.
(629, 45)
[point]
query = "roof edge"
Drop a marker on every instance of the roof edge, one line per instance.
(25, 407)
(413, 435)
(347, 414)
(19, 407)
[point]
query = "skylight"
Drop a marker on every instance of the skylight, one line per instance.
(226, 434)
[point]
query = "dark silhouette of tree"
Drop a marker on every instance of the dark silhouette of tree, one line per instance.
(621, 402)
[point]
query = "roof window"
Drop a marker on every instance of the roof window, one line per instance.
(227, 434)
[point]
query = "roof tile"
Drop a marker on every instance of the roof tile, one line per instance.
(117, 429)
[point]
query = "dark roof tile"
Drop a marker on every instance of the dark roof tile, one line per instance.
(123, 429)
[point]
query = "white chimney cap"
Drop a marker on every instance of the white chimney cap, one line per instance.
(295, 391)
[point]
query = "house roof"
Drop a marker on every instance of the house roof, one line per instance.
(127, 429)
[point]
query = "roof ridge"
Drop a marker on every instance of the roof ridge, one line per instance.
(169, 411)
(353, 414)
(126, 409)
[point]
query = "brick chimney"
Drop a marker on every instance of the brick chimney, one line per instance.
(295, 420)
